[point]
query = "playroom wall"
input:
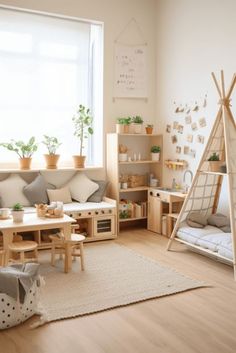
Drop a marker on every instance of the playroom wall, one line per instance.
(194, 38)
(115, 15)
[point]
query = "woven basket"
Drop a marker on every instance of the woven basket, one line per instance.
(135, 181)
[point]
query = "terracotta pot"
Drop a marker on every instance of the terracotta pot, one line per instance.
(79, 161)
(17, 216)
(215, 166)
(126, 129)
(51, 160)
(25, 163)
(149, 130)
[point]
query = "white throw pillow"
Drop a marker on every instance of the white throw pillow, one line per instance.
(81, 187)
(11, 191)
(62, 195)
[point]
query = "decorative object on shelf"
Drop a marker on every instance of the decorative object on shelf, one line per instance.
(194, 126)
(178, 149)
(137, 122)
(123, 156)
(41, 209)
(123, 125)
(175, 125)
(202, 122)
(52, 145)
(176, 164)
(188, 119)
(195, 107)
(189, 138)
(17, 213)
(83, 121)
(214, 162)
(4, 213)
(136, 180)
(23, 150)
(180, 129)
(174, 139)
(223, 168)
(149, 129)
(155, 153)
(200, 139)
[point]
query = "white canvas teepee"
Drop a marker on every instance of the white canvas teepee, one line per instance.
(204, 193)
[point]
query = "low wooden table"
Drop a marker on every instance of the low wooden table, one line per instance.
(33, 223)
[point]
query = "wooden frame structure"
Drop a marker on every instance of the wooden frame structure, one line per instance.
(204, 193)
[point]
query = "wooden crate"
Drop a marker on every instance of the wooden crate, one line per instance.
(137, 180)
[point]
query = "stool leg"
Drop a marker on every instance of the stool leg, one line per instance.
(53, 255)
(36, 254)
(67, 257)
(81, 246)
(22, 257)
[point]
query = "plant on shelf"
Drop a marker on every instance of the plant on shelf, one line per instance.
(155, 153)
(83, 121)
(138, 124)
(52, 145)
(122, 125)
(23, 150)
(149, 129)
(214, 162)
(17, 212)
(124, 215)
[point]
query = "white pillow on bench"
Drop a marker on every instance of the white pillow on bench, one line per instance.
(11, 191)
(81, 187)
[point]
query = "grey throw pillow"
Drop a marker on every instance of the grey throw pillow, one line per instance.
(196, 220)
(98, 195)
(36, 192)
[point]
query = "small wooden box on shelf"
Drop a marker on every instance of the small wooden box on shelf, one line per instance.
(135, 170)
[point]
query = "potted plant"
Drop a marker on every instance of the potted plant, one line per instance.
(52, 145)
(23, 150)
(17, 213)
(149, 129)
(137, 122)
(122, 125)
(83, 128)
(214, 162)
(155, 152)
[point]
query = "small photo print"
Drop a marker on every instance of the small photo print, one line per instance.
(200, 139)
(202, 122)
(174, 139)
(186, 149)
(194, 126)
(192, 153)
(175, 125)
(168, 128)
(188, 119)
(178, 149)
(180, 129)
(189, 138)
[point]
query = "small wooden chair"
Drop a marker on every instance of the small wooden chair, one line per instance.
(69, 248)
(21, 247)
(2, 258)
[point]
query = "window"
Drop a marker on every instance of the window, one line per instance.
(48, 66)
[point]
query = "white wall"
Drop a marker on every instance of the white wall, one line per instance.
(115, 15)
(194, 38)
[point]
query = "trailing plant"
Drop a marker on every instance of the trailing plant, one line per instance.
(214, 157)
(17, 207)
(137, 119)
(124, 121)
(155, 149)
(83, 121)
(24, 150)
(51, 143)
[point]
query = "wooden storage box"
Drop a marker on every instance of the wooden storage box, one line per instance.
(136, 180)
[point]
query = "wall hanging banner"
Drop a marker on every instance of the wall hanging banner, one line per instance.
(130, 79)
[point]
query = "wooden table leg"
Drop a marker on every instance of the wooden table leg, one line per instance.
(7, 239)
(67, 263)
(81, 247)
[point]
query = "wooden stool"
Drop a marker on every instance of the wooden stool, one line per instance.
(68, 247)
(2, 258)
(21, 247)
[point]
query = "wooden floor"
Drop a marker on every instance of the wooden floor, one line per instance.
(197, 321)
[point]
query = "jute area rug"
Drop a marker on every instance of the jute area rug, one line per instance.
(114, 276)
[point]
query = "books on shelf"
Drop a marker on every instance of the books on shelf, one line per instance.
(132, 209)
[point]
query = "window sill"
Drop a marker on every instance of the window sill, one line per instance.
(43, 169)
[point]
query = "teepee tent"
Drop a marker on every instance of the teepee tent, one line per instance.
(204, 193)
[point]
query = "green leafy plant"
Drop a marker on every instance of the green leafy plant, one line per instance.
(51, 143)
(150, 125)
(124, 121)
(137, 119)
(17, 207)
(24, 150)
(83, 125)
(155, 149)
(124, 214)
(214, 157)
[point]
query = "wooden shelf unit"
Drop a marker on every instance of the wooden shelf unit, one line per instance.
(138, 144)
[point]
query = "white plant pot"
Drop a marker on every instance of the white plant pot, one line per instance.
(119, 128)
(155, 157)
(138, 128)
(123, 157)
(17, 216)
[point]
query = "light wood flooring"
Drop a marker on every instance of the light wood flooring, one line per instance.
(197, 321)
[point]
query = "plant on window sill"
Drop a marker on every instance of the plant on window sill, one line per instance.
(52, 145)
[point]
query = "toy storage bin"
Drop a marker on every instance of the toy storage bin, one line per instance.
(13, 313)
